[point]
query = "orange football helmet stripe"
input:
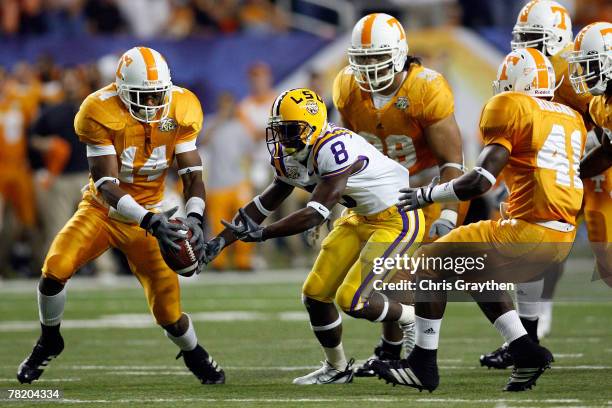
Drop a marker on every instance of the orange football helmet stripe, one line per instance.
(366, 32)
(149, 60)
(543, 79)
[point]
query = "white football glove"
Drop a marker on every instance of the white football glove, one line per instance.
(444, 224)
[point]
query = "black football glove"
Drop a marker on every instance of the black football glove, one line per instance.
(159, 225)
(246, 229)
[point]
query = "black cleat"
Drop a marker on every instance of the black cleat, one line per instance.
(365, 370)
(408, 372)
(500, 358)
(202, 365)
(530, 364)
(43, 352)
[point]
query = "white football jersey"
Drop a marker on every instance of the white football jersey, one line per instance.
(373, 188)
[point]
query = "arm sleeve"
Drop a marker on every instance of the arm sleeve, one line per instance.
(438, 102)
(500, 121)
(190, 118)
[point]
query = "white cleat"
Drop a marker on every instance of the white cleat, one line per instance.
(545, 319)
(327, 375)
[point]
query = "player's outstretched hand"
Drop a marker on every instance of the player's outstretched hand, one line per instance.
(211, 249)
(160, 227)
(197, 237)
(246, 229)
(415, 198)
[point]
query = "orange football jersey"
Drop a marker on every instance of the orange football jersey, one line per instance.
(13, 125)
(397, 128)
(546, 141)
(565, 93)
(144, 151)
(600, 110)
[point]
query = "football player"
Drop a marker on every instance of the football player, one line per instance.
(591, 72)
(133, 128)
(538, 145)
(546, 26)
(336, 166)
(406, 111)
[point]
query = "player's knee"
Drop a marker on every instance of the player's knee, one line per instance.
(49, 286)
(59, 268)
(177, 328)
(344, 298)
(313, 288)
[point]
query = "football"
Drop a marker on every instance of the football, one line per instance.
(183, 261)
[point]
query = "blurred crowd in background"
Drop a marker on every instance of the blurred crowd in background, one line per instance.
(43, 165)
(142, 18)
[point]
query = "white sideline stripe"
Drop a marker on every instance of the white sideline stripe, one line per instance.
(143, 320)
(570, 355)
(58, 380)
(327, 399)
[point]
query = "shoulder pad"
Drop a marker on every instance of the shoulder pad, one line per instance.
(187, 109)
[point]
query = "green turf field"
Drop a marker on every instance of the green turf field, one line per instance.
(255, 326)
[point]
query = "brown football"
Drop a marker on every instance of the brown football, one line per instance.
(183, 261)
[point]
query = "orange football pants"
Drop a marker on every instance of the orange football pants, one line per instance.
(512, 250)
(223, 204)
(90, 232)
(17, 189)
(598, 217)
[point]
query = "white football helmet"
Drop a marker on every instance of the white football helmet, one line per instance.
(527, 71)
(544, 25)
(144, 85)
(378, 51)
(591, 61)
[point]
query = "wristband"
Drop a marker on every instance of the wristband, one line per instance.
(195, 205)
(130, 209)
(320, 208)
(443, 193)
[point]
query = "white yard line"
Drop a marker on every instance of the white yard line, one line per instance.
(319, 400)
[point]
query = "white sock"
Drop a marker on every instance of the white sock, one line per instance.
(509, 326)
(528, 296)
(188, 341)
(335, 356)
(51, 308)
(407, 315)
(427, 332)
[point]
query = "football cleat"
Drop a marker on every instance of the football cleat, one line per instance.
(202, 365)
(43, 352)
(528, 368)
(402, 372)
(327, 374)
(499, 358)
(365, 370)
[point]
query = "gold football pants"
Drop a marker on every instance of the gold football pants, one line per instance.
(90, 232)
(343, 270)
